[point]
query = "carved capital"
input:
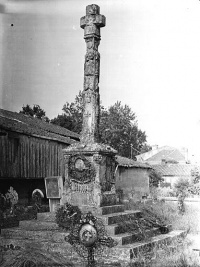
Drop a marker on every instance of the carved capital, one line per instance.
(97, 158)
(66, 158)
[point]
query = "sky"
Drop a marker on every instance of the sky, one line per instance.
(150, 60)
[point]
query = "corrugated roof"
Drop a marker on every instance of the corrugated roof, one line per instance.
(18, 122)
(126, 162)
(174, 169)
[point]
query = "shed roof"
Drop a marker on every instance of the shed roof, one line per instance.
(18, 122)
(174, 169)
(130, 163)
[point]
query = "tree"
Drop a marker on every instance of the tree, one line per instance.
(36, 112)
(118, 126)
(119, 129)
(72, 116)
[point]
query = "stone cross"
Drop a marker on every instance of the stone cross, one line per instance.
(91, 23)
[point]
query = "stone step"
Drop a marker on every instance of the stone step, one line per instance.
(111, 209)
(129, 238)
(120, 217)
(38, 225)
(129, 251)
(50, 217)
(34, 235)
(114, 229)
(46, 216)
(125, 251)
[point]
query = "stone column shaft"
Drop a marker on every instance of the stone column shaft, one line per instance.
(91, 23)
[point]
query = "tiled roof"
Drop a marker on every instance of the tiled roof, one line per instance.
(18, 122)
(174, 169)
(126, 162)
(174, 154)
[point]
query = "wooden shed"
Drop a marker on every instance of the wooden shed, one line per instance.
(30, 150)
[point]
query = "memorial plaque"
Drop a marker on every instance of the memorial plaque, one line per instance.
(53, 187)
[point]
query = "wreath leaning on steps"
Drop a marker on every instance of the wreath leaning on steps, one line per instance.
(67, 216)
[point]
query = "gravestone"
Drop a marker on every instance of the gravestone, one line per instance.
(90, 165)
(54, 189)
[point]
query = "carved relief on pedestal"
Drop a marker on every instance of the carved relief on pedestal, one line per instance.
(80, 169)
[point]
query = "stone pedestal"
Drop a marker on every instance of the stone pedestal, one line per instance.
(89, 176)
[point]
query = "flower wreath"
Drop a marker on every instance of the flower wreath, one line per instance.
(85, 175)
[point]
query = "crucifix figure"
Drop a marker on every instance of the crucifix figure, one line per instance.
(91, 23)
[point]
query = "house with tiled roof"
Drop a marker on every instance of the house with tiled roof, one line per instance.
(30, 150)
(132, 177)
(170, 162)
(173, 172)
(164, 154)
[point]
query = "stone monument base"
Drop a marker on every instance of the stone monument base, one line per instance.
(89, 176)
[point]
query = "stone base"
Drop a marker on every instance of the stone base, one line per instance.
(44, 234)
(120, 253)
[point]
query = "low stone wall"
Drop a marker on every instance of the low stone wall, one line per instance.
(186, 199)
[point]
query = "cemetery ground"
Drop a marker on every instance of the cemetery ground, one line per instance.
(182, 252)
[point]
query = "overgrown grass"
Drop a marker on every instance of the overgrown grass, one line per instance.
(177, 254)
(189, 221)
(34, 257)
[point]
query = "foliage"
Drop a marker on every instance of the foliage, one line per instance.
(9, 200)
(118, 126)
(155, 178)
(181, 191)
(167, 211)
(25, 213)
(195, 173)
(181, 187)
(187, 188)
(67, 215)
(139, 225)
(37, 198)
(36, 111)
(165, 192)
(145, 148)
(9, 221)
(119, 129)
(12, 196)
(4, 203)
(194, 189)
(72, 116)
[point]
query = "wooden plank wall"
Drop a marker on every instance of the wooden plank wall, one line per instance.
(22, 156)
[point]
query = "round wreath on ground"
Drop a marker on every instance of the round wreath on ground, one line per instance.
(81, 169)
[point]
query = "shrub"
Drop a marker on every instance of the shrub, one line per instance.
(155, 178)
(67, 215)
(181, 187)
